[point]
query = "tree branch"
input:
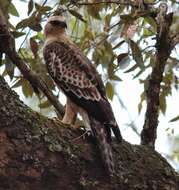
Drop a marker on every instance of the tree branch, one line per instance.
(121, 2)
(163, 50)
(140, 3)
(7, 46)
(40, 153)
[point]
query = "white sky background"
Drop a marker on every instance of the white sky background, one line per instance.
(129, 91)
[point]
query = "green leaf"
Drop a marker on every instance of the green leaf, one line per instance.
(175, 119)
(139, 73)
(37, 6)
(152, 23)
(142, 98)
(163, 104)
(139, 107)
(13, 11)
(39, 36)
(42, 9)
(63, 1)
(123, 60)
(77, 15)
(27, 89)
(30, 6)
(94, 12)
(107, 55)
(116, 78)
(108, 47)
(121, 56)
(107, 20)
(109, 90)
(36, 27)
(18, 83)
(89, 34)
(45, 104)
(9, 67)
(132, 68)
(136, 53)
(147, 32)
(17, 34)
(111, 68)
(118, 44)
(23, 23)
(4, 73)
(128, 18)
(32, 22)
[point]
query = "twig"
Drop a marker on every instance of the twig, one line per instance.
(132, 122)
(107, 36)
(45, 1)
(143, 50)
(114, 25)
(24, 40)
(81, 136)
(106, 2)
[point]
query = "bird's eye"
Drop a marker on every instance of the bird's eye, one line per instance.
(61, 24)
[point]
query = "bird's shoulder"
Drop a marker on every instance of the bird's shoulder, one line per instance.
(72, 52)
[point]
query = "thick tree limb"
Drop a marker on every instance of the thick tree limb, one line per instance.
(37, 153)
(163, 50)
(7, 46)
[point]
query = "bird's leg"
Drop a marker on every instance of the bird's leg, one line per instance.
(86, 121)
(70, 113)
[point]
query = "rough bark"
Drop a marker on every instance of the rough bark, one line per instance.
(39, 153)
(163, 51)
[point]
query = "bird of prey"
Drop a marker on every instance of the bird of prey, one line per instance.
(79, 80)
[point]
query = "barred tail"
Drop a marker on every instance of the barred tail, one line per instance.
(102, 140)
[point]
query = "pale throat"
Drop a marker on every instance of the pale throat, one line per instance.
(56, 36)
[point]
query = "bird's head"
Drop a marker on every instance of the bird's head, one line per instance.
(55, 26)
(163, 8)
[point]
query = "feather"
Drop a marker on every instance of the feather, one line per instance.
(103, 145)
(75, 75)
(78, 79)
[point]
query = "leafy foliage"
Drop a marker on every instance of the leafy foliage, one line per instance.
(111, 34)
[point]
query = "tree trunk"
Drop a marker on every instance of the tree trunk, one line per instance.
(39, 153)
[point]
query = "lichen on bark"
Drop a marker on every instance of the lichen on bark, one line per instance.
(41, 153)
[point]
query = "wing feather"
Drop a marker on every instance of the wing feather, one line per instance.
(79, 80)
(73, 72)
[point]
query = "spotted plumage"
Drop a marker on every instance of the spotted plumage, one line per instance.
(75, 75)
(75, 78)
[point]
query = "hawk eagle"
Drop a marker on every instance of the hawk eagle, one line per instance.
(76, 76)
